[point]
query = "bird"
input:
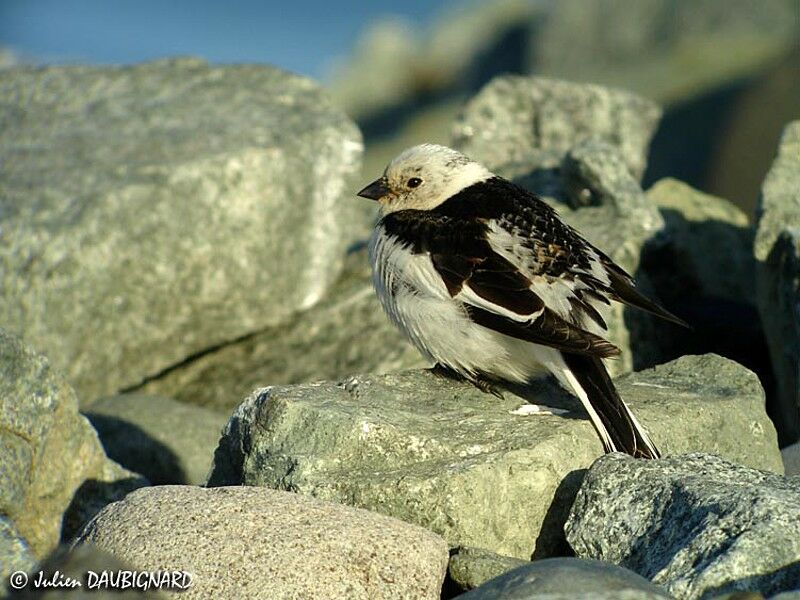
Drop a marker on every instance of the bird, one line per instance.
(491, 286)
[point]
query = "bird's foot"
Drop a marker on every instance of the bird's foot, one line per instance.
(527, 410)
(487, 386)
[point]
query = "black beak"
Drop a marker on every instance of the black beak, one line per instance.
(375, 190)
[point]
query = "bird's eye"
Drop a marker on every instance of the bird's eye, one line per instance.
(413, 182)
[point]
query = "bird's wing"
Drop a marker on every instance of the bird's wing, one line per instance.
(496, 295)
(565, 270)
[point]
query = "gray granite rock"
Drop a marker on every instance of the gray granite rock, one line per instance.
(15, 555)
(441, 454)
(123, 189)
(517, 124)
(51, 459)
(697, 524)
(471, 567)
(568, 579)
(244, 542)
(164, 440)
(777, 252)
(346, 333)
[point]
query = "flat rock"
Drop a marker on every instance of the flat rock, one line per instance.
(164, 440)
(346, 333)
(471, 567)
(51, 459)
(149, 213)
(517, 124)
(777, 252)
(439, 453)
(568, 579)
(697, 524)
(245, 542)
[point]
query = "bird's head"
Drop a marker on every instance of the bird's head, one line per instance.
(422, 177)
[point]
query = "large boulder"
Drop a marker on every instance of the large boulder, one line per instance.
(518, 124)
(153, 212)
(697, 524)
(164, 440)
(346, 333)
(777, 252)
(254, 543)
(568, 579)
(51, 459)
(441, 454)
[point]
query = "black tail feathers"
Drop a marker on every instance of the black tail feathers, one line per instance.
(617, 427)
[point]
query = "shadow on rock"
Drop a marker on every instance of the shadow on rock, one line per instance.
(135, 449)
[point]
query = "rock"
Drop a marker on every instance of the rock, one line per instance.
(666, 49)
(74, 565)
(15, 555)
(157, 209)
(698, 226)
(568, 579)
(346, 333)
(471, 567)
(254, 543)
(164, 440)
(519, 124)
(51, 459)
(777, 252)
(791, 459)
(697, 524)
(439, 453)
(702, 269)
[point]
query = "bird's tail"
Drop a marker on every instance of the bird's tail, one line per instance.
(615, 423)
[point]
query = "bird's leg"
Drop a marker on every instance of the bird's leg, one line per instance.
(487, 386)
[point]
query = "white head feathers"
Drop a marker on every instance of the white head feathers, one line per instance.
(424, 176)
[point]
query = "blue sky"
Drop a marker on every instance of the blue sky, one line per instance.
(304, 36)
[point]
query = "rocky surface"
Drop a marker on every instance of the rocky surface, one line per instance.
(777, 252)
(471, 567)
(346, 333)
(439, 453)
(15, 555)
(124, 189)
(697, 524)
(51, 459)
(164, 440)
(701, 267)
(519, 124)
(709, 242)
(568, 579)
(245, 542)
